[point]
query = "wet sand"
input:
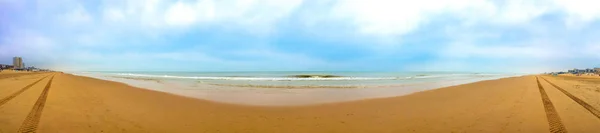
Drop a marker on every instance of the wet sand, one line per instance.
(66, 103)
(281, 95)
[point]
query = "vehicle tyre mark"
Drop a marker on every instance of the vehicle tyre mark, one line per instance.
(10, 97)
(31, 122)
(554, 120)
(585, 105)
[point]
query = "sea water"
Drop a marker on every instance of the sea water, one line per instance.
(306, 78)
(292, 88)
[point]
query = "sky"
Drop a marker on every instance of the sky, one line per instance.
(302, 35)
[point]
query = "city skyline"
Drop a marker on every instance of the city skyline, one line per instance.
(18, 62)
(302, 35)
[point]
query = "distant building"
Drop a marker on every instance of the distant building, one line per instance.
(574, 71)
(581, 71)
(5, 66)
(589, 70)
(18, 62)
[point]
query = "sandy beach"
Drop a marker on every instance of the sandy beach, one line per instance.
(299, 66)
(265, 92)
(57, 102)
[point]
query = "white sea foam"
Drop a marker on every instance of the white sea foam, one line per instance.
(259, 78)
(237, 91)
(316, 78)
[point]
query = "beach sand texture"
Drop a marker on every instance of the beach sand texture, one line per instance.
(57, 102)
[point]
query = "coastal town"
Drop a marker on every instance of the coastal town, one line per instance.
(578, 72)
(19, 65)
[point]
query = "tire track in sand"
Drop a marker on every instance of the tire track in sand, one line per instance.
(10, 97)
(585, 105)
(33, 119)
(554, 121)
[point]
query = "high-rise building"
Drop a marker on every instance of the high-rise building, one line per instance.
(18, 62)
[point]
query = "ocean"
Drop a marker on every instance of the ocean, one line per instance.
(290, 88)
(305, 78)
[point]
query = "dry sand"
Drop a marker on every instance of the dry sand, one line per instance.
(66, 103)
(10, 73)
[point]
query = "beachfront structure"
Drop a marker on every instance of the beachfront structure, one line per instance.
(5, 66)
(582, 71)
(576, 71)
(589, 70)
(18, 62)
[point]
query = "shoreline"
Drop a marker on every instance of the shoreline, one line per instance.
(282, 96)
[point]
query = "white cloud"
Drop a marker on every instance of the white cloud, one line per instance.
(369, 22)
(366, 17)
(520, 11)
(580, 10)
(113, 15)
(180, 14)
(137, 13)
(255, 16)
(79, 15)
(242, 13)
(383, 17)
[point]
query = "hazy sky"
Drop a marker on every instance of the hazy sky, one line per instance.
(239, 35)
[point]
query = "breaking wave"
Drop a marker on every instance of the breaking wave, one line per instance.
(288, 78)
(304, 77)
